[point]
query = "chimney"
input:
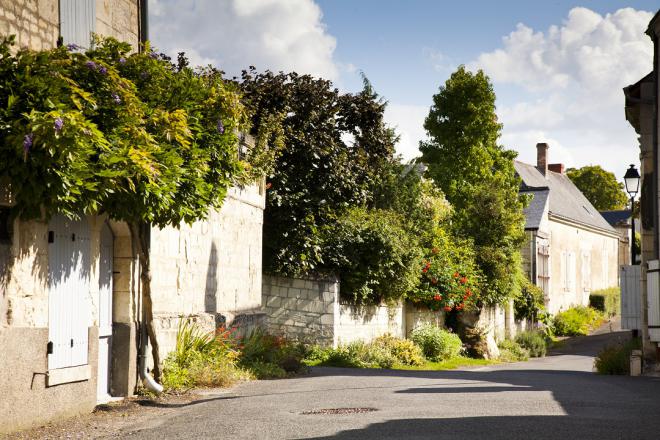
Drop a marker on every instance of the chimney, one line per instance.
(556, 167)
(542, 157)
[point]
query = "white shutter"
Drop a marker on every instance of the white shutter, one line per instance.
(563, 276)
(572, 271)
(77, 21)
(586, 271)
(68, 291)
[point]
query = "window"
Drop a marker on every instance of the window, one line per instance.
(543, 267)
(77, 21)
(586, 271)
(568, 271)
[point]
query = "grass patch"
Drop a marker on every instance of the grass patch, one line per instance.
(449, 364)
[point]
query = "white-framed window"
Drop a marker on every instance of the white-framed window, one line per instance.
(543, 267)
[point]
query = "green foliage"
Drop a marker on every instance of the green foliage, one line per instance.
(530, 304)
(449, 275)
(373, 253)
(336, 145)
(129, 134)
(478, 178)
(405, 351)
(267, 356)
(512, 351)
(578, 320)
(383, 352)
(436, 343)
(606, 300)
(615, 359)
(534, 342)
(600, 187)
(201, 359)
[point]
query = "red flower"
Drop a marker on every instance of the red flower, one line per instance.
(456, 275)
(447, 308)
(437, 297)
(425, 269)
(435, 250)
(463, 280)
(434, 280)
(459, 307)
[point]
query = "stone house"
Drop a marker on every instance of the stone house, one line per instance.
(641, 111)
(571, 250)
(70, 310)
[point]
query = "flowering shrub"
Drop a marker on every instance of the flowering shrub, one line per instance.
(436, 343)
(449, 277)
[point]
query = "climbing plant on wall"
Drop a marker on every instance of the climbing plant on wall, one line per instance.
(133, 135)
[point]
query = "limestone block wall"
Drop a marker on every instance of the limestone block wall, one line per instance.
(416, 317)
(303, 310)
(210, 269)
(367, 323)
(36, 23)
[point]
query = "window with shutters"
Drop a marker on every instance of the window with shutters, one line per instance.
(543, 268)
(568, 271)
(77, 21)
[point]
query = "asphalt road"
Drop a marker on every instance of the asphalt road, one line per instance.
(557, 397)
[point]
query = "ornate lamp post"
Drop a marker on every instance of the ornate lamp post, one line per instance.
(631, 179)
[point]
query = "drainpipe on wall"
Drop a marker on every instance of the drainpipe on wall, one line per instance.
(144, 23)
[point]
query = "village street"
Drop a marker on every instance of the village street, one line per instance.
(548, 398)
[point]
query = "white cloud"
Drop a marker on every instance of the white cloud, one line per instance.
(284, 35)
(570, 79)
(408, 122)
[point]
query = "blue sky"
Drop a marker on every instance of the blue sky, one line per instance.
(557, 66)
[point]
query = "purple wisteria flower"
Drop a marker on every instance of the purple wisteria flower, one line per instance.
(72, 46)
(116, 98)
(122, 60)
(27, 142)
(153, 55)
(220, 127)
(58, 124)
(91, 65)
(103, 70)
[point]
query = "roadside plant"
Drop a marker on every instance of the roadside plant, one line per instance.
(436, 343)
(577, 321)
(615, 359)
(533, 341)
(511, 351)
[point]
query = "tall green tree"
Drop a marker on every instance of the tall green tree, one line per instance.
(135, 136)
(599, 186)
(336, 148)
(477, 177)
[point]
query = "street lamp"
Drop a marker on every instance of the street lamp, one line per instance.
(631, 179)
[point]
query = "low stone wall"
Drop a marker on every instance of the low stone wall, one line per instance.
(303, 310)
(368, 322)
(416, 317)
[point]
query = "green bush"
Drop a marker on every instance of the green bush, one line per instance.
(606, 300)
(511, 351)
(375, 255)
(578, 320)
(615, 359)
(437, 343)
(201, 359)
(534, 342)
(530, 304)
(267, 356)
(405, 351)
(360, 354)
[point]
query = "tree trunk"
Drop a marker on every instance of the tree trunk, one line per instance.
(141, 240)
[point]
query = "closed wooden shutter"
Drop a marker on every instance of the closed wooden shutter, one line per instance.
(77, 21)
(69, 266)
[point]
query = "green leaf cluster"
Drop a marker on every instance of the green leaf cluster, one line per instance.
(600, 187)
(130, 134)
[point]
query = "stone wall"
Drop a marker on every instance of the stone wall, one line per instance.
(34, 22)
(210, 270)
(365, 323)
(303, 310)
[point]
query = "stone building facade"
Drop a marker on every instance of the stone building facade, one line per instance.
(70, 307)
